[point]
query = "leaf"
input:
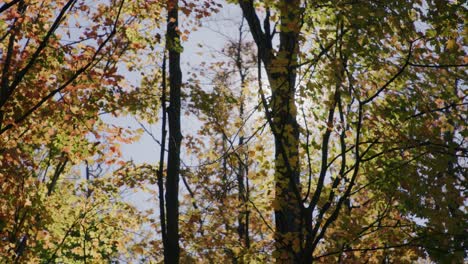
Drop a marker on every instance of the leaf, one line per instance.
(451, 44)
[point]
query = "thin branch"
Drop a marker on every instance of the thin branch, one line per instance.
(5, 6)
(323, 169)
(452, 105)
(400, 71)
(346, 195)
(437, 65)
(309, 165)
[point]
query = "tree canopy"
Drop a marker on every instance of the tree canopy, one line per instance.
(320, 131)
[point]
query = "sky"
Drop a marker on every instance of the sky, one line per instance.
(196, 48)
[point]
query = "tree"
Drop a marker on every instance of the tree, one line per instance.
(169, 205)
(227, 165)
(60, 73)
(350, 45)
(282, 120)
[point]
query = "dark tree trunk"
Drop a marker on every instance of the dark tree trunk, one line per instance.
(172, 251)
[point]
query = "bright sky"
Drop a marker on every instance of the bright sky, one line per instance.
(209, 36)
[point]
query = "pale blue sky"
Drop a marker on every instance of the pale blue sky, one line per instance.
(210, 38)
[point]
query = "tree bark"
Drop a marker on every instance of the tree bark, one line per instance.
(281, 113)
(172, 252)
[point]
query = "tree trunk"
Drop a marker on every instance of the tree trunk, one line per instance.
(172, 251)
(243, 195)
(243, 191)
(281, 114)
(287, 204)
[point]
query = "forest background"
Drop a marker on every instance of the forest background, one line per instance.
(240, 131)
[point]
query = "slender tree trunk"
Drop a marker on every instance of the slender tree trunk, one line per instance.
(243, 218)
(175, 136)
(243, 195)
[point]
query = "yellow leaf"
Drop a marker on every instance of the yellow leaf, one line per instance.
(451, 44)
(27, 203)
(348, 133)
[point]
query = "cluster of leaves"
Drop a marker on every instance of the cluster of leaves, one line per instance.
(381, 95)
(375, 132)
(403, 74)
(62, 70)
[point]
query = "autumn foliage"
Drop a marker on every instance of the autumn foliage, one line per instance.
(322, 132)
